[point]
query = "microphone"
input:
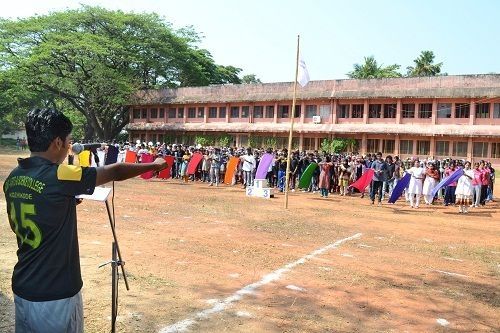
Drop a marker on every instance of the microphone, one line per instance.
(77, 148)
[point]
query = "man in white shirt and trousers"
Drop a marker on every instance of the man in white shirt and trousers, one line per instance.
(248, 167)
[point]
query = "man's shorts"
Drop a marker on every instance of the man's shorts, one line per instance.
(60, 316)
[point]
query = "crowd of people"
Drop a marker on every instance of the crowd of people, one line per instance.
(335, 175)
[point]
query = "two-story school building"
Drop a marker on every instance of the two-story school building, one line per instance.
(444, 116)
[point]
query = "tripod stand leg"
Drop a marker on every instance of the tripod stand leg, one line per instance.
(114, 288)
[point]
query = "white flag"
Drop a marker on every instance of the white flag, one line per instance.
(303, 75)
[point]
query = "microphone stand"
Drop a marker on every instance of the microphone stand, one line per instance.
(116, 261)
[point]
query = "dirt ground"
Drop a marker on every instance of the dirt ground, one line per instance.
(207, 259)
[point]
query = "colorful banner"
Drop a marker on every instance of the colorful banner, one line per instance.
(448, 180)
(147, 158)
(264, 164)
(363, 181)
(399, 188)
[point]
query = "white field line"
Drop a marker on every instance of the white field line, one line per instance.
(183, 325)
(450, 273)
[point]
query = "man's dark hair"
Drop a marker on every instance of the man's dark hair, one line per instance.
(43, 126)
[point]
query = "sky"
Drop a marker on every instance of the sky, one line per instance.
(261, 36)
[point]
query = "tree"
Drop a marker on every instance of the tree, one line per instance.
(372, 70)
(250, 78)
(424, 65)
(337, 145)
(96, 60)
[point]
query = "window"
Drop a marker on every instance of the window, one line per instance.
(372, 145)
(388, 146)
(144, 114)
(406, 147)
(482, 110)
(222, 112)
(153, 113)
(212, 112)
(423, 147)
(137, 114)
(357, 110)
(308, 144)
(311, 110)
(462, 110)
(460, 149)
(408, 110)
(425, 110)
(245, 110)
(270, 111)
(374, 110)
(235, 111)
(162, 113)
(496, 110)
(495, 150)
(390, 110)
(298, 109)
(180, 113)
(191, 112)
(171, 112)
(343, 111)
(258, 111)
(283, 111)
(201, 112)
(442, 148)
(444, 110)
(480, 149)
(325, 111)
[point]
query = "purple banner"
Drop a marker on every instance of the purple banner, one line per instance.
(264, 164)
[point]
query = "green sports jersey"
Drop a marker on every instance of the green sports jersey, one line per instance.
(41, 208)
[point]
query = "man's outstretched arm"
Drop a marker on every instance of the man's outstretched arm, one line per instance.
(122, 171)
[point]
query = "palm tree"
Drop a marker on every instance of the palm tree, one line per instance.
(372, 70)
(424, 65)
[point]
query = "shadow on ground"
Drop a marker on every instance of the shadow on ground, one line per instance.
(6, 314)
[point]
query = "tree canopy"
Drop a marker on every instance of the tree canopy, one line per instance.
(93, 60)
(424, 65)
(250, 78)
(370, 69)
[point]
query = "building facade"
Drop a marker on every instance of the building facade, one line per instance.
(446, 116)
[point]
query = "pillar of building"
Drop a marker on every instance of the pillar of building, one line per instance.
(469, 149)
(250, 116)
(434, 112)
(334, 111)
(364, 142)
(316, 143)
(302, 111)
(472, 113)
(396, 145)
(186, 108)
(275, 120)
(237, 139)
(432, 149)
(399, 106)
(365, 112)
(301, 141)
(228, 109)
(205, 114)
(452, 111)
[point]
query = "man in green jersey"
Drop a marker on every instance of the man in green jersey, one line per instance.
(41, 207)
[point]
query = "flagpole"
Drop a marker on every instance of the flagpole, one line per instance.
(292, 116)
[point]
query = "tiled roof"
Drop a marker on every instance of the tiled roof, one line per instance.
(453, 86)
